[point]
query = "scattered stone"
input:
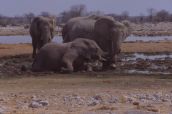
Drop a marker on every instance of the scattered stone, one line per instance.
(153, 109)
(73, 100)
(2, 111)
(106, 98)
(38, 104)
(99, 112)
(139, 112)
(98, 97)
(44, 103)
(35, 104)
(113, 100)
(93, 103)
(136, 103)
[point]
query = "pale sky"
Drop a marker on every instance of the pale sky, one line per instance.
(134, 7)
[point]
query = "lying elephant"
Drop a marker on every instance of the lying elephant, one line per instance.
(108, 33)
(42, 31)
(67, 56)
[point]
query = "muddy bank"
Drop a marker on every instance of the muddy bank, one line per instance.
(128, 63)
(136, 58)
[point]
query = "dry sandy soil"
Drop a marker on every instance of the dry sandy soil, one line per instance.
(82, 93)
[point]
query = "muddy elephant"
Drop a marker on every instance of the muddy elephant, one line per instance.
(67, 57)
(108, 33)
(42, 31)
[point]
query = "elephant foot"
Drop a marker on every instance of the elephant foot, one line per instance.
(65, 70)
(89, 69)
(113, 66)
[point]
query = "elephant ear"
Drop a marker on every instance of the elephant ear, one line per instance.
(128, 28)
(103, 27)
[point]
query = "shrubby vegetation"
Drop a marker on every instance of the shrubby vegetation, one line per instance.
(152, 16)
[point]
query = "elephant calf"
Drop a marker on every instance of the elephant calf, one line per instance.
(67, 56)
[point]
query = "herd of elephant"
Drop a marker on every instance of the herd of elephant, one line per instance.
(89, 43)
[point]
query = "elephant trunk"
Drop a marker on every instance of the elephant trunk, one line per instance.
(46, 36)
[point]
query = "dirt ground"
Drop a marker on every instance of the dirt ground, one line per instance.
(73, 94)
(82, 93)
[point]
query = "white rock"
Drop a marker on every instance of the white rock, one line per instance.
(35, 104)
(44, 103)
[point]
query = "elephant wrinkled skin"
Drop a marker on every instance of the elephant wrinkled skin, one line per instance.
(67, 56)
(108, 33)
(42, 31)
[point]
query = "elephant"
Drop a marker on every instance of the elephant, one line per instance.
(104, 30)
(42, 31)
(67, 57)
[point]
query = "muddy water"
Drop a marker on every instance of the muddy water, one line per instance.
(148, 38)
(141, 63)
(58, 39)
(136, 56)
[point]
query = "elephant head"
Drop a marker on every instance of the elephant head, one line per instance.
(88, 49)
(42, 31)
(110, 34)
(46, 30)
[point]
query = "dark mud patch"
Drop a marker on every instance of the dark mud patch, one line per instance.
(12, 65)
(128, 63)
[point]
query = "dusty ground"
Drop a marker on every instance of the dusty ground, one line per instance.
(82, 93)
(86, 94)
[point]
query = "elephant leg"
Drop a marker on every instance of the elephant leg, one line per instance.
(68, 60)
(114, 61)
(69, 67)
(34, 52)
(34, 49)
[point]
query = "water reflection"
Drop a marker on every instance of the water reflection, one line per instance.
(148, 38)
(23, 39)
(136, 56)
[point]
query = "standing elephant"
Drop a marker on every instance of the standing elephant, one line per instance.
(42, 31)
(67, 56)
(108, 33)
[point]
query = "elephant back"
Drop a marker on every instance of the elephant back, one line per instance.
(103, 26)
(78, 27)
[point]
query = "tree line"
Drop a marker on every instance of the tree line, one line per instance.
(152, 16)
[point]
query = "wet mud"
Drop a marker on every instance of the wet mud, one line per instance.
(128, 63)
